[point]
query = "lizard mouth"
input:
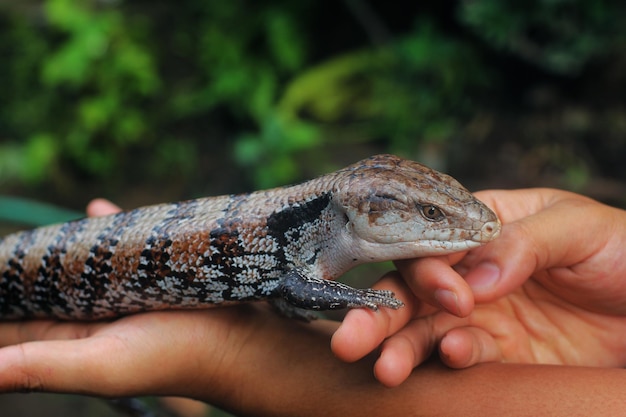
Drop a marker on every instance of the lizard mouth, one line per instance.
(464, 240)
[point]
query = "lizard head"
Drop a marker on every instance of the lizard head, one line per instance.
(397, 208)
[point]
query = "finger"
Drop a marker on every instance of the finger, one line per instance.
(12, 333)
(463, 347)
(403, 351)
(434, 281)
(462, 342)
(396, 362)
(412, 345)
(101, 364)
(101, 207)
(483, 267)
(77, 366)
(513, 205)
(550, 237)
(363, 330)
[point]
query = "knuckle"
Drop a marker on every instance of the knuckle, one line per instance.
(30, 382)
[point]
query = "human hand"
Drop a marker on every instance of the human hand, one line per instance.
(221, 356)
(571, 311)
(250, 361)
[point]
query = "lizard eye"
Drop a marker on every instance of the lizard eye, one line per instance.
(432, 213)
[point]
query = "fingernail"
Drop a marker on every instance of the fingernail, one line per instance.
(483, 277)
(448, 300)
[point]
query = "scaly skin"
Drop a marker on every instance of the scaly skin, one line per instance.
(281, 244)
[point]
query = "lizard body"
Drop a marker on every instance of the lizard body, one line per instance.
(286, 244)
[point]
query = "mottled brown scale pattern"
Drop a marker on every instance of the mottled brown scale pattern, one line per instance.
(285, 242)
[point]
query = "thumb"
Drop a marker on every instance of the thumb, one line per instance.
(547, 236)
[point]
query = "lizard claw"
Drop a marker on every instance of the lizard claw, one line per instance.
(374, 299)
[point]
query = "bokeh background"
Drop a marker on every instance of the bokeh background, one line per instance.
(151, 101)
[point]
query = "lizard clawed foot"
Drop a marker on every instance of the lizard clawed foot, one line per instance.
(312, 293)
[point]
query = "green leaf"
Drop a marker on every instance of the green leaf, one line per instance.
(33, 213)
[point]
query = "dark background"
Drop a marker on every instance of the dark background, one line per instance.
(149, 101)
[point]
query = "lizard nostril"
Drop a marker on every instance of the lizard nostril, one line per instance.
(490, 230)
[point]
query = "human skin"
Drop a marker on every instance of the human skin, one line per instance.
(549, 290)
(250, 361)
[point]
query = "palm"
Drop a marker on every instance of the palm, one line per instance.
(534, 325)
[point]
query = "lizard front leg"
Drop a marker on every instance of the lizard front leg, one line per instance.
(299, 291)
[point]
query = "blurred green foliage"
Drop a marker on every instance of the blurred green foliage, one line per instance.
(112, 88)
(558, 35)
